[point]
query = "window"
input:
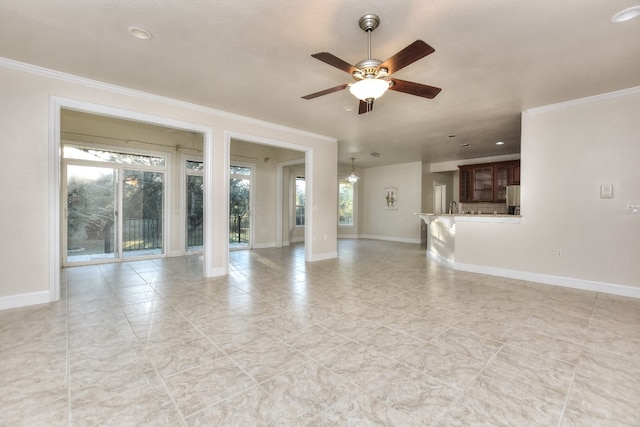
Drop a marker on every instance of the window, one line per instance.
(300, 198)
(240, 206)
(345, 203)
(194, 204)
(93, 154)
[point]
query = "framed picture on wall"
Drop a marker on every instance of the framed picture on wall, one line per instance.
(391, 198)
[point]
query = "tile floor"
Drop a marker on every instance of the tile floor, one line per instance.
(380, 337)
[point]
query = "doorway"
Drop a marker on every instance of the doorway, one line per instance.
(439, 197)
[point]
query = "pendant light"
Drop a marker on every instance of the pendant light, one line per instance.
(353, 178)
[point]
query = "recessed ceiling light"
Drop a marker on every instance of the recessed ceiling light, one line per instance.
(499, 143)
(625, 15)
(465, 145)
(347, 108)
(140, 33)
(374, 154)
(453, 135)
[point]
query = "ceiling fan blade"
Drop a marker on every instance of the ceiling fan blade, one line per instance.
(416, 89)
(330, 59)
(325, 92)
(365, 107)
(410, 54)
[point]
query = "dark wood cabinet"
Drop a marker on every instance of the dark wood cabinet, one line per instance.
(465, 185)
(488, 182)
(515, 174)
(483, 185)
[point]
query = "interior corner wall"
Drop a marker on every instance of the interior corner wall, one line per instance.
(568, 151)
(399, 224)
(25, 130)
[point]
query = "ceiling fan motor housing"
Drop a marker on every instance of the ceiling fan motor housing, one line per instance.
(369, 22)
(368, 67)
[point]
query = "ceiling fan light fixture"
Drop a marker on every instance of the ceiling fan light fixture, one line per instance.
(369, 89)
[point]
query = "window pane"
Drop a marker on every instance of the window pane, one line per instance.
(299, 215)
(300, 200)
(240, 170)
(91, 222)
(142, 216)
(240, 211)
(193, 166)
(112, 157)
(195, 186)
(345, 204)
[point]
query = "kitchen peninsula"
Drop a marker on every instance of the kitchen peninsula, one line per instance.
(442, 229)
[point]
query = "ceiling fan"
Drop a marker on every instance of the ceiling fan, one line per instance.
(372, 76)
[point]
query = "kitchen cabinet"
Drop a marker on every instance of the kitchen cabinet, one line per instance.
(487, 182)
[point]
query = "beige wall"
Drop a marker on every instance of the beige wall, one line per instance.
(380, 223)
(568, 151)
(26, 124)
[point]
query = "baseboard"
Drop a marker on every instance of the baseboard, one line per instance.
(264, 245)
(323, 256)
(439, 258)
(390, 238)
(216, 272)
(547, 279)
(22, 300)
(348, 236)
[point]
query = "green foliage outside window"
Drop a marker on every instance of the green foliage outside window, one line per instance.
(345, 203)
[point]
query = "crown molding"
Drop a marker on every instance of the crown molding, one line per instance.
(70, 78)
(581, 101)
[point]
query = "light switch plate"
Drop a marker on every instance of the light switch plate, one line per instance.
(606, 191)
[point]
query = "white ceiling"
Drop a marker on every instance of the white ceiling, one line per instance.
(493, 59)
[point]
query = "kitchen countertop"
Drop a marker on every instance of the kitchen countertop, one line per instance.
(428, 217)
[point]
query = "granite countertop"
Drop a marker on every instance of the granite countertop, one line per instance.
(476, 214)
(472, 217)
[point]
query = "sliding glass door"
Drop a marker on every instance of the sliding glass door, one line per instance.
(142, 213)
(91, 221)
(114, 205)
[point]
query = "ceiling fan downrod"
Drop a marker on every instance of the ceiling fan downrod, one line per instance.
(369, 66)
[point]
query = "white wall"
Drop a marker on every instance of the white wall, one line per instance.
(568, 151)
(397, 225)
(26, 127)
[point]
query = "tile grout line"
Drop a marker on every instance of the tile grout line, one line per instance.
(566, 398)
(164, 386)
(467, 386)
(575, 367)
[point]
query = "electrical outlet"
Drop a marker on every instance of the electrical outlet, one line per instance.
(633, 209)
(558, 252)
